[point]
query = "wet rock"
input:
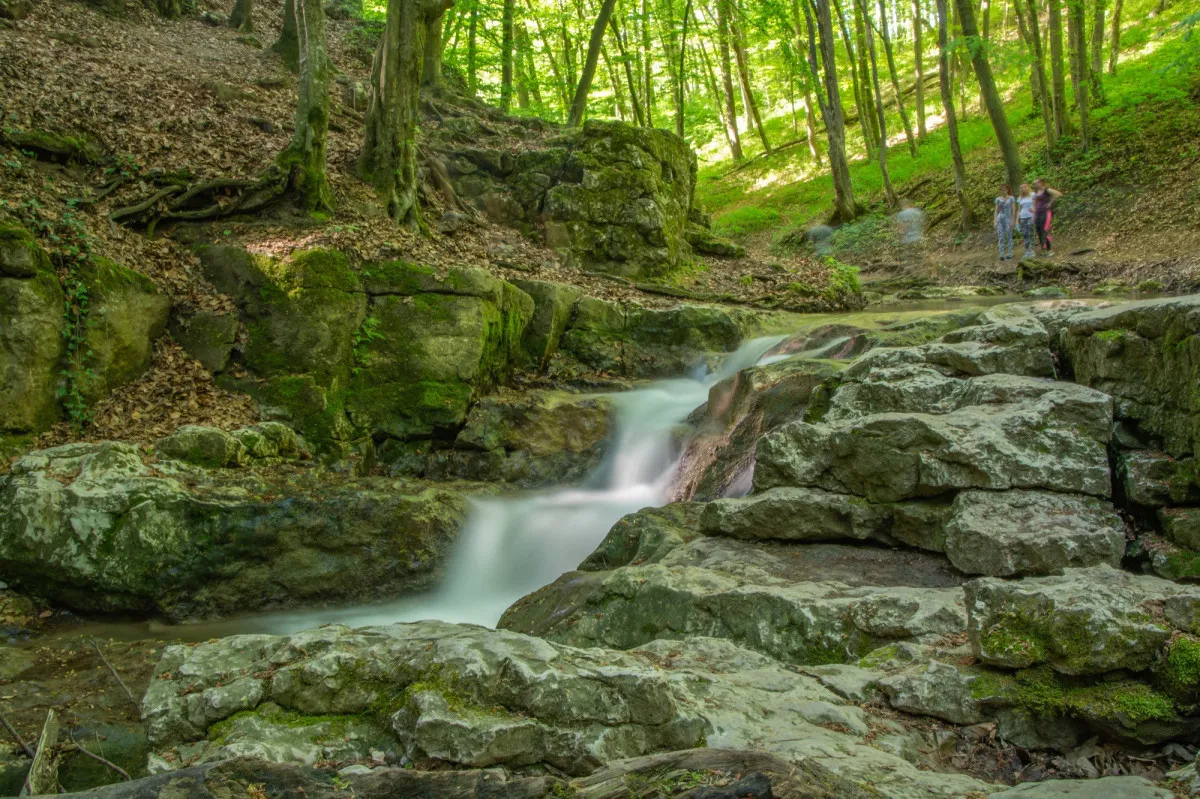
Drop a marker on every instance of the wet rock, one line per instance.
(807, 604)
(1086, 621)
(1145, 354)
(31, 342)
(646, 536)
(1031, 532)
(464, 694)
(1002, 432)
(1103, 788)
(95, 528)
(203, 446)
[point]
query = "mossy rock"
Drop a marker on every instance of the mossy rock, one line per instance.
(552, 307)
(206, 336)
(315, 411)
(126, 314)
(31, 341)
(58, 147)
(203, 446)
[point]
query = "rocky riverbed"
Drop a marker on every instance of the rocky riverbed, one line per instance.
(912, 556)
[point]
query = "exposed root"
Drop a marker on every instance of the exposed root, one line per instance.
(208, 199)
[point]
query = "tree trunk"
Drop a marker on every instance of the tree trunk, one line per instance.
(614, 81)
(1079, 65)
(864, 117)
(727, 81)
(648, 66)
(1062, 124)
(1115, 48)
(991, 96)
(288, 44)
(883, 144)
(891, 62)
(743, 68)
(960, 170)
(242, 18)
(845, 208)
(639, 118)
(431, 61)
(564, 95)
(1033, 29)
(506, 55)
(389, 156)
(525, 52)
(520, 76)
(918, 52)
(680, 75)
(718, 100)
(473, 49)
(579, 104)
(1097, 73)
(810, 125)
(304, 158)
(864, 75)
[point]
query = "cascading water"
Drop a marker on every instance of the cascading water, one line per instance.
(511, 546)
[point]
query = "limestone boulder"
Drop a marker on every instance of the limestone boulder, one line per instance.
(553, 304)
(1103, 788)
(646, 536)
(1085, 621)
(1006, 533)
(207, 336)
(93, 527)
(942, 690)
(998, 432)
(31, 342)
(1146, 355)
(1154, 479)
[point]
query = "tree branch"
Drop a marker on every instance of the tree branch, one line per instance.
(17, 737)
(117, 677)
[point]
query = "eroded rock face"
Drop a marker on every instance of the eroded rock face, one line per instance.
(31, 343)
(467, 696)
(94, 527)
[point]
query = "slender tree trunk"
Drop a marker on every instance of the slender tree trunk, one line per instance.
(304, 158)
(473, 49)
(648, 65)
(579, 104)
(719, 100)
(560, 85)
(883, 143)
(520, 76)
(569, 60)
(1076, 20)
(242, 18)
(743, 68)
(1062, 124)
(810, 126)
(845, 207)
(991, 96)
(506, 55)
(918, 58)
(680, 75)
(614, 82)
(639, 118)
(288, 44)
(985, 22)
(1033, 29)
(1097, 73)
(1114, 49)
(727, 80)
(525, 51)
(864, 74)
(860, 106)
(891, 62)
(960, 170)
(431, 61)
(389, 154)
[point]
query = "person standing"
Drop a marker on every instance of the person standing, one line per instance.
(1025, 220)
(1006, 217)
(1043, 215)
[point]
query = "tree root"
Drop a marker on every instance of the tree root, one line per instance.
(208, 199)
(76, 747)
(117, 677)
(26, 748)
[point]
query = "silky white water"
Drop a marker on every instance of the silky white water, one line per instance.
(511, 546)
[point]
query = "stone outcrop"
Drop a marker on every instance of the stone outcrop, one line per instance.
(464, 696)
(94, 527)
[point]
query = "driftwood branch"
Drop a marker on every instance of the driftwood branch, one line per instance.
(77, 747)
(17, 737)
(117, 677)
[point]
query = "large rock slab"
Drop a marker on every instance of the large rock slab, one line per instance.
(998, 432)
(1006, 533)
(31, 342)
(799, 604)
(1147, 355)
(1085, 621)
(470, 697)
(93, 527)
(1103, 788)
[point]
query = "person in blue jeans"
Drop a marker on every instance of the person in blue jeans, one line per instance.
(1006, 219)
(1025, 220)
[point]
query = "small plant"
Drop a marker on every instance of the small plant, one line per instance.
(367, 332)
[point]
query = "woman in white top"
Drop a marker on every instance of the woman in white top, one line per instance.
(1025, 220)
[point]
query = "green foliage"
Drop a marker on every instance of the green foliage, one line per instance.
(748, 219)
(367, 332)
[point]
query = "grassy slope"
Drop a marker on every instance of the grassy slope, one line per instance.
(1151, 112)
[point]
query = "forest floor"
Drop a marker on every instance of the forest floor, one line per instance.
(1130, 216)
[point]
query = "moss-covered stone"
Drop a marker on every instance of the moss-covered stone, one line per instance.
(552, 307)
(126, 314)
(54, 146)
(203, 446)
(206, 336)
(31, 341)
